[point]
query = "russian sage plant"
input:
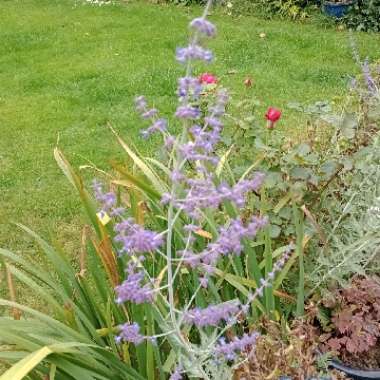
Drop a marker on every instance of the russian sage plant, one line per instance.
(205, 336)
(371, 88)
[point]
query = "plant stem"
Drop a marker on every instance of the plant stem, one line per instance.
(269, 298)
(298, 221)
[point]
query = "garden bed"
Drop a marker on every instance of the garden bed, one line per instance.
(232, 251)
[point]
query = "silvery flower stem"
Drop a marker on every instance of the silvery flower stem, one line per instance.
(169, 265)
(189, 304)
(182, 257)
(163, 334)
(178, 164)
(171, 205)
(259, 290)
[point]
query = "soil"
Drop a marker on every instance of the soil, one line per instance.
(336, 375)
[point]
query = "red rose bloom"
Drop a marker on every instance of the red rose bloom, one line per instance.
(207, 78)
(272, 115)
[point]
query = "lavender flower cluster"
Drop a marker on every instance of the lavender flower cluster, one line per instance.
(177, 374)
(205, 193)
(133, 289)
(106, 200)
(150, 114)
(372, 90)
(229, 312)
(135, 239)
(130, 332)
(229, 350)
(212, 315)
(229, 241)
(195, 51)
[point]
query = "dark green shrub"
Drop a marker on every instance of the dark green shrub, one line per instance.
(185, 2)
(294, 9)
(365, 16)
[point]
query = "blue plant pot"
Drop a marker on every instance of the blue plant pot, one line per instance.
(356, 374)
(352, 373)
(310, 378)
(337, 10)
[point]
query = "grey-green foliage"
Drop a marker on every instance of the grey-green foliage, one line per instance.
(354, 234)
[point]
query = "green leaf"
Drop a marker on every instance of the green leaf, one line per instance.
(275, 231)
(46, 296)
(328, 168)
(132, 179)
(52, 372)
(223, 161)
(282, 203)
(87, 201)
(334, 120)
(303, 149)
(349, 125)
(69, 332)
(299, 172)
(159, 185)
(374, 112)
(24, 366)
(27, 364)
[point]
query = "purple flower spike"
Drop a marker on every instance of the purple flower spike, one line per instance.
(203, 26)
(176, 375)
(193, 52)
(266, 283)
(219, 108)
(130, 332)
(165, 198)
(189, 86)
(203, 281)
(212, 315)
(177, 176)
(203, 193)
(230, 350)
(214, 122)
(136, 239)
(140, 103)
(107, 200)
(159, 125)
(366, 68)
(187, 112)
(149, 114)
(169, 142)
(228, 242)
(132, 288)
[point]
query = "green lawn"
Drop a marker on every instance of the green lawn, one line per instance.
(67, 70)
